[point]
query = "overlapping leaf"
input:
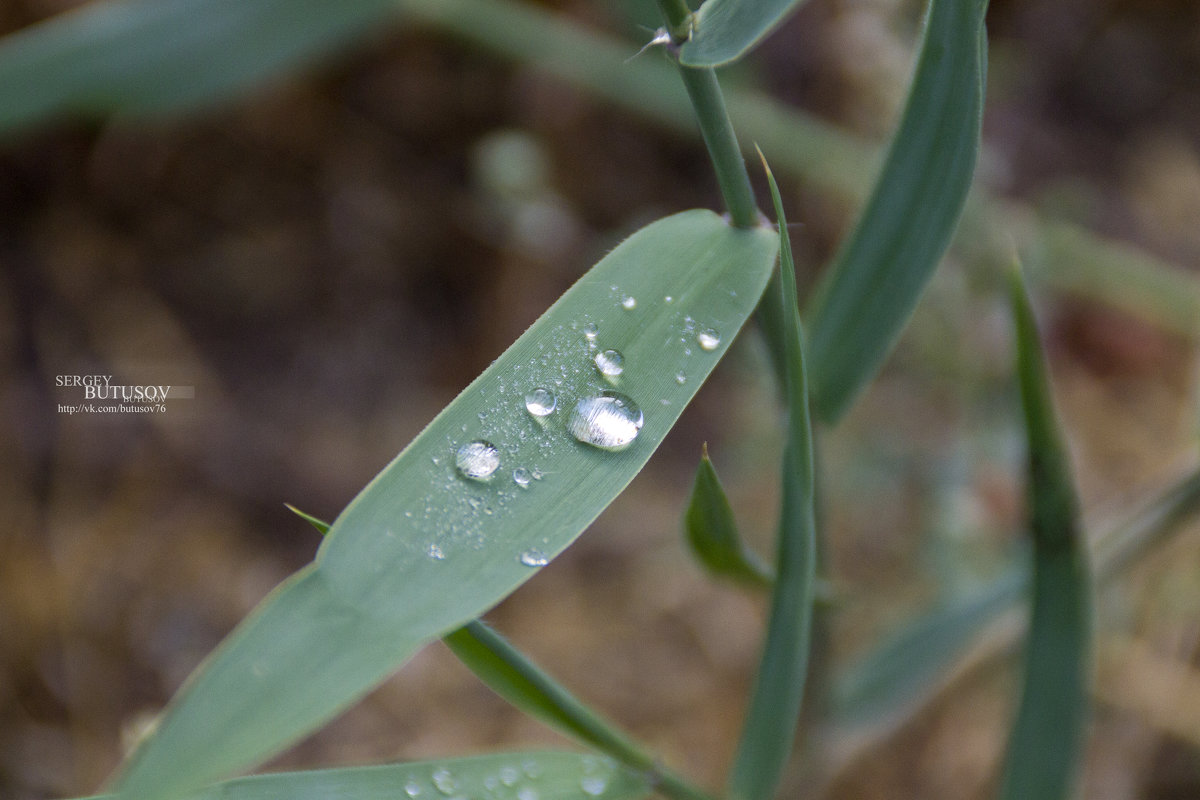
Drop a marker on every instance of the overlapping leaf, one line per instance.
(725, 30)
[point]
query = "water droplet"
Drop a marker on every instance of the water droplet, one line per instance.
(509, 775)
(435, 552)
(527, 793)
(521, 477)
(541, 402)
(590, 331)
(708, 339)
(680, 378)
(537, 474)
(668, 299)
(610, 363)
(477, 460)
(412, 788)
(532, 769)
(594, 785)
(629, 303)
(534, 558)
(609, 421)
(444, 781)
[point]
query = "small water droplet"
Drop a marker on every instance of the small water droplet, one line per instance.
(680, 378)
(594, 785)
(412, 788)
(610, 363)
(435, 552)
(534, 558)
(629, 303)
(527, 793)
(444, 781)
(708, 339)
(537, 474)
(477, 460)
(521, 477)
(532, 769)
(509, 775)
(541, 402)
(590, 331)
(668, 299)
(609, 421)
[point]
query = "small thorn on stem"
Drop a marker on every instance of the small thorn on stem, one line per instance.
(662, 36)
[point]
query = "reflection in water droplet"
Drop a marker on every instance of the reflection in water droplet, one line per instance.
(594, 785)
(412, 788)
(609, 420)
(477, 460)
(444, 781)
(534, 558)
(680, 378)
(541, 402)
(610, 363)
(708, 339)
(521, 477)
(591, 331)
(435, 552)
(629, 303)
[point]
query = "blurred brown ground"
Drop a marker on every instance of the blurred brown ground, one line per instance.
(330, 260)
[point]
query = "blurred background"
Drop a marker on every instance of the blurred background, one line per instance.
(330, 258)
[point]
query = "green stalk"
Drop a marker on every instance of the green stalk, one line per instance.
(715, 127)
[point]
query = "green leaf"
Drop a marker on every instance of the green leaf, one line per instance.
(725, 30)
(136, 57)
(423, 550)
(321, 526)
(867, 295)
(770, 724)
(503, 776)
(712, 532)
(1047, 738)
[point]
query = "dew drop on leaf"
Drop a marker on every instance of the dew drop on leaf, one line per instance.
(477, 460)
(509, 775)
(541, 402)
(708, 339)
(435, 552)
(521, 477)
(609, 421)
(533, 558)
(629, 303)
(444, 781)
(593, 785)
(590, 331)
(610, 363)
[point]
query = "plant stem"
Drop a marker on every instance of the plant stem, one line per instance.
(715, 127)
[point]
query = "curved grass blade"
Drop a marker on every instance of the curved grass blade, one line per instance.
(770, 724)
(868, 293)
(510, 674)
(1046, 740)
(723, 31)
(502, 776)
(711, 530)
(321, 526)
(133, 57)
(422, 549)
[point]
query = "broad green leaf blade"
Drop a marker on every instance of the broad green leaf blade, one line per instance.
(711, 530)
(1047, 738)
(868, 293)
(501, 776)
(133, 57)
(897, 672)
(770, 724)
(321, 526)
(423, 550)
(725, 30)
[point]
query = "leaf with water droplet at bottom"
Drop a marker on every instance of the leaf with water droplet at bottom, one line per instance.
(502, 776)
(374, 595)
(712, 532)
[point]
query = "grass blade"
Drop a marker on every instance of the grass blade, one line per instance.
(711, 530)
(504, 776)
(770, 724)
(510, 674)
(1046, 740)
(423, 550)
(867, 295)
(321, 526)
(725, 30)
(134, 57)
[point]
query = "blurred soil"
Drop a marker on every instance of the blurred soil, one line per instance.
(330, 260)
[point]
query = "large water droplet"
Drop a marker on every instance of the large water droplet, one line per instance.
(477, 460)
(609, 420)
(708, 339)
(629, 303)
(444, 781)
(610, 363)
(534, 558)
(594, 785)
(541, 402)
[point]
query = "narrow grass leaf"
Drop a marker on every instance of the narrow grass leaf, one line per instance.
(321, 526)
(500, 482)
(1047, 737)
(770, 724)
(711, 530)
(136, 57)
(725, 30)
(868, 293)
(544, 774)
